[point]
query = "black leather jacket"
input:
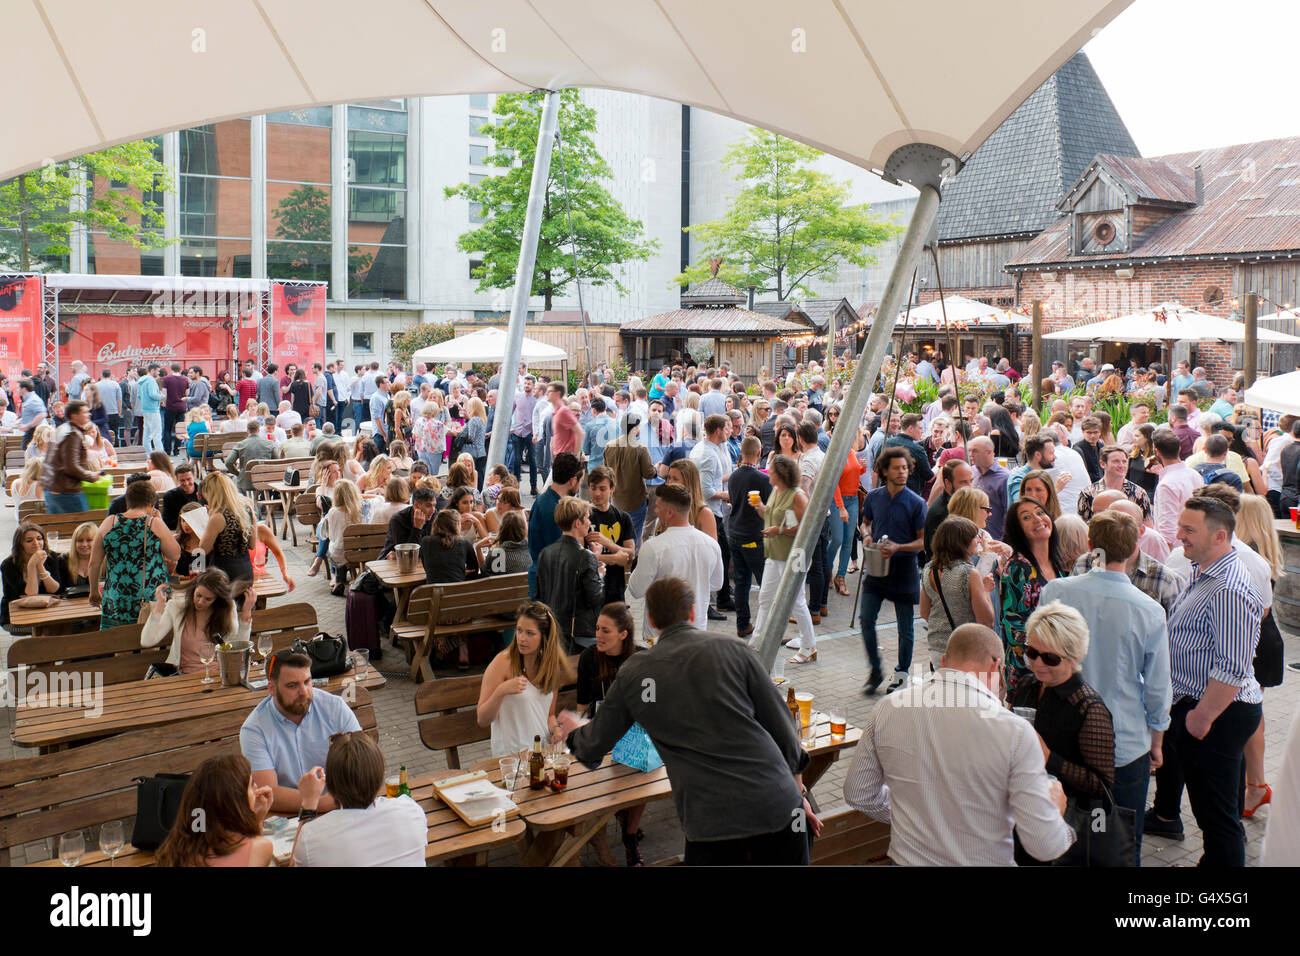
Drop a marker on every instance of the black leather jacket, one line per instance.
(568, 583)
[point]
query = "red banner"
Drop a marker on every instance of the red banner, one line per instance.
(20, 324)
(117, 342)
(298, 323)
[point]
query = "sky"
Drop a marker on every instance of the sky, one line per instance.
(1193, 74)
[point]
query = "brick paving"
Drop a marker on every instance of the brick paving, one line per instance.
(838, 673)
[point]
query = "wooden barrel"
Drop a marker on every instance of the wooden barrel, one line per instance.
(1286, 594)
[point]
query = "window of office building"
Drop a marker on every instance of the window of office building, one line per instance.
(298, 194)
(214, 200)
(329, 343)
(363, 341)
(377, 184)
(480, 101)
(477, 155)
(105, 255)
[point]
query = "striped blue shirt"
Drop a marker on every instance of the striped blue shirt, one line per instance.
(1213, 630)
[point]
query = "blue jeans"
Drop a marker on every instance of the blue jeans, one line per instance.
(638, 521)
(434, 460)
(842, 535)
(359, 413)
(871, 605)
(65, 504)
(521, 450)
(153, 432)
(1131, 783)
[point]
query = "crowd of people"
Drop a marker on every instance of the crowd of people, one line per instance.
(1115, 582)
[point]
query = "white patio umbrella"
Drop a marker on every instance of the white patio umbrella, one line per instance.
(958, 308)
(487, 345)
(1280, 393)
(1167, 323)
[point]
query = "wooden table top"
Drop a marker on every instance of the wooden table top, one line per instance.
(591, 793)
(66, 610)
(1286, 528)
(133, 705)
(386, 570)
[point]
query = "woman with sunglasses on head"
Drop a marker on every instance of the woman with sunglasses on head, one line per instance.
(1074, 726)
(1036, 559)
(517, 695)
(221, 793)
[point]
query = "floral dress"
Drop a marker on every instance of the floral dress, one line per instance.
(131, 579)
(1020, 590)
(429, 437)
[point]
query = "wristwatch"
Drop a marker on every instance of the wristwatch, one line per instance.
(304, 814)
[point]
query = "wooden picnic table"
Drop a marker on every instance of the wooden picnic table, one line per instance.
(288, 493)
(451, 839)
(61, 616)
(402, 584)
(134, 705)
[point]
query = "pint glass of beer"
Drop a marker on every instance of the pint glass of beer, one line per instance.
(391, 783)
(836, 714)
(804, 700)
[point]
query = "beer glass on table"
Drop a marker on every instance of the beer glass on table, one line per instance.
(804, 699)
(838, 720)
(391, 783)
(561, 770)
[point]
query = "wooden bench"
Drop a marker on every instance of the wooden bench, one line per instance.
(456, 610)
(28, 508)
(115, 655)
(851, 838)
(86, 786)
(286, 624)
(362, 543)
(454, 702)
(210, 448)
(67, 523)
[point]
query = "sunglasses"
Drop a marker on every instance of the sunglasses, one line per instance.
(1051, 660)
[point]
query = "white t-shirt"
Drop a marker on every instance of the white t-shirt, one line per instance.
(287, 420)
(390, 832)
(1070, 460)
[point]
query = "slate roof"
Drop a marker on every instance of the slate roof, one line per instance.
(1013, 182)
(1251, 206)
(816, 311)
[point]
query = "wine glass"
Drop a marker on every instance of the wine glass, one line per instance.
(71, 848)
(111, 840)
(265, 645)
(207, 654)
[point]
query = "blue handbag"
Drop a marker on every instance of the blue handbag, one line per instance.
(637, 751)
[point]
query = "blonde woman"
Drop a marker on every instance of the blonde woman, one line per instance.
(100, 449)
(1072, 533)
(1255, 528)
(28, 486)
(374, 480)
(41, 436)
(476, 436)
(781, 517)
(161, 473)
(76, 564)
(197, 421)
(232, 421)
(232, 528)
(973, 504)
(517, 695)
(344, 511)
(1030, 424)
(686, 473)
(397, 452)
(397, 495)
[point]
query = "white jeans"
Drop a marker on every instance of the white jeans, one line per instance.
(153, 432)
(772, 570)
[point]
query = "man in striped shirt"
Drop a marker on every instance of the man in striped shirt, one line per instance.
(1217, 702)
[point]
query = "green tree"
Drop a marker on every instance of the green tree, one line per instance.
(419, 336)
(302, 224)
(606, 235)
(125, 186)
(788, 225)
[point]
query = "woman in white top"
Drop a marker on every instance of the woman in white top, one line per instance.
(397, 495)
(28, 486)
(161, 473)
(517, 698)
(205, 612)
(345, 510)
(364, 830)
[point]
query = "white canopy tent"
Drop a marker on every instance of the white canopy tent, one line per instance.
(1279, 393)
(486, 345)
(766, 62)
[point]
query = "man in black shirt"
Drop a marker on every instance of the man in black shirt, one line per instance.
(612, 527)
(745, 529)
(176, 499)
(410, 525)
(909, 438)
(954, 474)
(119, 503)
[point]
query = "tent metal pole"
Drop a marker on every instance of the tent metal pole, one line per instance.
(523, 280)
(855, 402)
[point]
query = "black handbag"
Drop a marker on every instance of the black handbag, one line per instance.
(329, 654)
(367, 582)
(157, 801)
(1105, 833)
(292, 477)
(1270, 653)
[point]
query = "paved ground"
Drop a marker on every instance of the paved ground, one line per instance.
(838, 673)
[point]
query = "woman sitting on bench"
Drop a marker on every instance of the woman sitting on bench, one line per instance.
(517, 696)
(203, 613)
(232, 809)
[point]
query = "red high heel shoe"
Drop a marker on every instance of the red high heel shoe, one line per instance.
(1267, 798)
